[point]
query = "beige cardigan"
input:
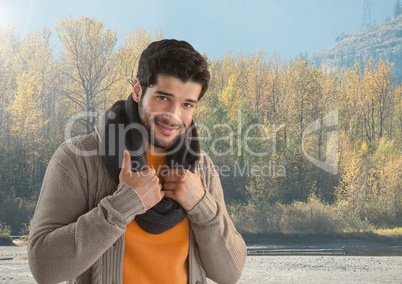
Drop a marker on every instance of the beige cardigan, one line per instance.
(77, 232)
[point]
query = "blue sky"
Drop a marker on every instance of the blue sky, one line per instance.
(284, 27)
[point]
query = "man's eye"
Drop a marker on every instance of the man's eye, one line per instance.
(189, 105)
(161, 98)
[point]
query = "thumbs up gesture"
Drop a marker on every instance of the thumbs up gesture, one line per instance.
(145, 183)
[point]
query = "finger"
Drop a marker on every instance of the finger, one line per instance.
(184, 174)
(183, 177)
(148, 172)
(162, 193)
(196, 172)
(155, 179)
(172, 179)
(177, 171)
(168, 186)
(126, 166)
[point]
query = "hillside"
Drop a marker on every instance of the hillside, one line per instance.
(379, 41)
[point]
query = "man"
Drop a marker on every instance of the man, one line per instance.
(137, 201)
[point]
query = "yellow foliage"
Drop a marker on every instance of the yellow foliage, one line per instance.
(364, 147)
(394, 232)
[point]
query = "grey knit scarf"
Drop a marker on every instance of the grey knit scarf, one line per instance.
(167, 213)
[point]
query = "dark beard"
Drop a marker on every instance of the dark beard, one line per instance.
(159, 143)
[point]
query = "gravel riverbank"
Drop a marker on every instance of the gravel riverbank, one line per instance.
(262, 269)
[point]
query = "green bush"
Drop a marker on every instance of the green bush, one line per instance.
(16, 213)
(5, 235)
(297, 218)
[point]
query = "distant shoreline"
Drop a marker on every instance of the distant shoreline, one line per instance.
(255, 238)
(286, 238)
(367, 244)
(362, 244)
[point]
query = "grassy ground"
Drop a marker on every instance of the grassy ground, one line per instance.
(385, 236)
(390, 233)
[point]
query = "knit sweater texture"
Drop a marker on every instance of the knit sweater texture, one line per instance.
(77, 232)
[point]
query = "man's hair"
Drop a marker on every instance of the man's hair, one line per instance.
(173, 58)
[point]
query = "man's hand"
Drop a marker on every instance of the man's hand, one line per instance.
(184, 187)
(145, 183)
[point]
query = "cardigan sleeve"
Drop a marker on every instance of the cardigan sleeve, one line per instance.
(222, 249)
(66, 237)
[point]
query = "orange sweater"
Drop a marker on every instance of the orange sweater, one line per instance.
(158, 258)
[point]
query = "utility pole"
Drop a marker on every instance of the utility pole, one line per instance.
(397, 9)
(367, 22)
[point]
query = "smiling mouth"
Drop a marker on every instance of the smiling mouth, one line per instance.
(166, 128)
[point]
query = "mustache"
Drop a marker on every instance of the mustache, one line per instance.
(161, 119)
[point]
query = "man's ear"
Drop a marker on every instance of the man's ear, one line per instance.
(137, 90)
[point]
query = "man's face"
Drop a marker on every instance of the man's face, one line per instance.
(166, 109)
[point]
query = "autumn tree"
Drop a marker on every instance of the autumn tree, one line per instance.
(257, 83)
(27, 142)
(28, 109)
(128, 55)
(376, 101)
(350, 89)
(88, 64)
(9, 47)
(370, 183)
(10, 43)
(223, 115)
(133, 45)
(398, 112)
(303, 105)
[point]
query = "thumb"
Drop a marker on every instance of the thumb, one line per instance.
(126, 166)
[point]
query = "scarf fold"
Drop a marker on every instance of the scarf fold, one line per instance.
(124, 131)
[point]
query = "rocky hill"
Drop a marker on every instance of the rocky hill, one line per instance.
(379, 41)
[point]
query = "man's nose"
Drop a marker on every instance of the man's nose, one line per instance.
(175, 110)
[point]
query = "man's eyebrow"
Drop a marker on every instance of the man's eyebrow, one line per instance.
(171, 95)
(164, 93)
